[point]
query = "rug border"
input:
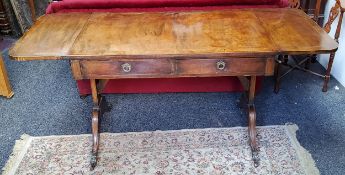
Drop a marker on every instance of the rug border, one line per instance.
(305, 158)
(19, 150)
(136, 132)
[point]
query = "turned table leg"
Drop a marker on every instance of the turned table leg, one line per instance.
(95, 123)
(252, 121)
(248, 84)
(277, 77)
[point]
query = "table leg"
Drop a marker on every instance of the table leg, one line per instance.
(252, 121)
(277, 74)
(248, 99)
(95, 123)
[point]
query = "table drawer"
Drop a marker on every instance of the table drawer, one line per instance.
(227, 66)
(126, 68)
(160, 68)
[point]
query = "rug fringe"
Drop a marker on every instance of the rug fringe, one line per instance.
(16, 154)
(306, 159)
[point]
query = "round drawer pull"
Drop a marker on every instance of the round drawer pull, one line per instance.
(126, 67)
(221, 65)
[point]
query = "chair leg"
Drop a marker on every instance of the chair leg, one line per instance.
(328, 72)
(331, 58)
(83, 97)
(313, 58)
(285, 59)
(277, 74)
(308, 62)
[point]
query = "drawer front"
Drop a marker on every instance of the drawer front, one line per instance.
(225, 67)
(126, 68)
(160, 68)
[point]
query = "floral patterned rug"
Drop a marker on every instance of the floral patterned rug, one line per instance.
(198, 151)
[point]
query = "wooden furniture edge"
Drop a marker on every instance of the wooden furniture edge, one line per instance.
(170, 68)
(239, 54)
(5, 86)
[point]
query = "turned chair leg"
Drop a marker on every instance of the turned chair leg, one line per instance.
(308, 62)
(328, 72)
(336, 38)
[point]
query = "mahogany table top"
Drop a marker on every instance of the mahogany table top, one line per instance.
(235, 32)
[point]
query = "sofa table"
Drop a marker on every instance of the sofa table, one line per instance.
(237, 42)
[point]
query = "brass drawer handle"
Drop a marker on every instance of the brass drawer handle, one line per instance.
(221, 65)
(126, 67)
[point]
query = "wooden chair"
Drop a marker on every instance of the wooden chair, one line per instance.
(306, 59)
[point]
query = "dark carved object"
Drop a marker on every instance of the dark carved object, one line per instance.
(5, 27)
(295, 4)
(332, 16)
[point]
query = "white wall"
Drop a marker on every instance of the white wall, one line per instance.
(338, 70)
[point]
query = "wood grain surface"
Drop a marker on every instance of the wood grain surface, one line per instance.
(236, 32)
(51, 37)
(5, 87)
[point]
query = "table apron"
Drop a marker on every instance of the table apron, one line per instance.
(170, 68)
